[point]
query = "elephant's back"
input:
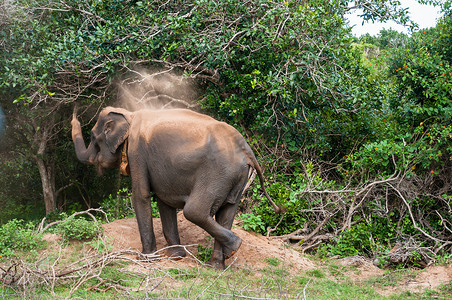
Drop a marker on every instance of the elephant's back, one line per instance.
(181, 116)
(182, 122)
(191, 133)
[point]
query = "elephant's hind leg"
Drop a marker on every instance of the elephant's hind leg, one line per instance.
(224, 217)
(198, 212)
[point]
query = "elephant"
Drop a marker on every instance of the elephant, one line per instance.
(188, 160)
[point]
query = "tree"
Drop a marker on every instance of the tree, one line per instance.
(35, 89)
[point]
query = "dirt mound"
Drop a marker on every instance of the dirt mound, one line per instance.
(254, 251)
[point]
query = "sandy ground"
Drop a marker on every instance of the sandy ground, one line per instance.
(256, 250)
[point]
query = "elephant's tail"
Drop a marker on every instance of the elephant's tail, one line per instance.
(255, 165)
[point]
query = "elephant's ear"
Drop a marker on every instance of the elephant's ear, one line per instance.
(116, 130)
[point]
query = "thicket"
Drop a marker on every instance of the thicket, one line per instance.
(17, 235)
(354, 135)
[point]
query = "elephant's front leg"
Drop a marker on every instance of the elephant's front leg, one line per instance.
(141, 199)
(168, 216)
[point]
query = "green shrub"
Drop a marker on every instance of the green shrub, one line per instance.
(78, 229)
(354, 241)
(253, 222)
(288, 192)
(18, 235)
(120, 206)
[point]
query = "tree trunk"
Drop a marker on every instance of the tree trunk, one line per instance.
(39, 129)
(47, 173)
(46, 166)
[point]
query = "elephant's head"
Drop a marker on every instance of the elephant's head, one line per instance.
(107, 138)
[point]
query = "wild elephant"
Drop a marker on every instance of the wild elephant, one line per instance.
(190, 161)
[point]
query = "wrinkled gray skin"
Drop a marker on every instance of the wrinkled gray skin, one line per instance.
(189, 160)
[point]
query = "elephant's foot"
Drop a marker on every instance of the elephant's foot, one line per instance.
(230, 249)
(149, 245)
(175, 253)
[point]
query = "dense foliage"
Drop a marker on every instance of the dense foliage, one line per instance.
(354, 135)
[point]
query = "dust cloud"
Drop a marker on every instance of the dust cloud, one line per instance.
(157, 89)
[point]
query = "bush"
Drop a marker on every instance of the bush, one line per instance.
(355, 241)
(120, 206)
(78, 229)
(18, 235)
(253, 222)
(289, 193)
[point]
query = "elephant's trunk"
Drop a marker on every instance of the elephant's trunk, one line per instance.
(84, 155)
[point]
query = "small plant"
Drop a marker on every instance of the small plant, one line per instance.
(18, 235)
(204, 253)
(303, 281)
(183, 274)
(78, 229)
(315, 273)
(273, 261)
(101, 245)
(119, 206)
(253, 222)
